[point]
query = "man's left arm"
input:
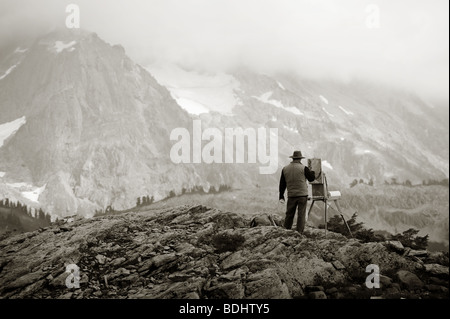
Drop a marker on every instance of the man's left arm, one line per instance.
(310, 174)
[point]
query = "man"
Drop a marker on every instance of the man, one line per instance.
(294, 176)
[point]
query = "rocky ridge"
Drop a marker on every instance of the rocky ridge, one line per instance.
(197, 252)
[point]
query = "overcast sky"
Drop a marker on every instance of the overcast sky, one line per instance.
(317, 38)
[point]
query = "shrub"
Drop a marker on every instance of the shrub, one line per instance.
(336, 224)
(227, 242)
(368, 235)
(410, 239)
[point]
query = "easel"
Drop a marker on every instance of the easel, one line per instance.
(320, 193)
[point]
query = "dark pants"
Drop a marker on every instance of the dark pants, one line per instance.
(291, 207)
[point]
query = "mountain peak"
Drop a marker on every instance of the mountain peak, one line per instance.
(85, 103)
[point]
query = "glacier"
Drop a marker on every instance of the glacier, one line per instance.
(9, 128)
(198, 92)
(34, 194)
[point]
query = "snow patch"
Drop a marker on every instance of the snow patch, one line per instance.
(191, 106)
(293, 110)
(2, 174)
(28, 191)
(19, 50)
(329, 114)
(281, 86)
(61, 46)
(346, 111)
(34, 194)
(199, 92)
(18, 185)
(327, 165)
(342, 139)
(9, 128)
(359, 151)
(8, 71)
(324, 100)
(265, 98)
(290, 128)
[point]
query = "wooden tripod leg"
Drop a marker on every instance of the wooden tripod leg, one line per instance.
(345, 222)
(326, 208)
(309, 210)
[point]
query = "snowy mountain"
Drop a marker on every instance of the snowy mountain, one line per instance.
(360, 130)
(82, 126)
(95, 122)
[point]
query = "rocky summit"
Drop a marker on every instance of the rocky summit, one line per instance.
(197, 252)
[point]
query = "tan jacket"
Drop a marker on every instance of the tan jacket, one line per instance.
(294, 177)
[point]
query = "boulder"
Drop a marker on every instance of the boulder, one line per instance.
(119, 272)
(392, 291)
(385, 281)
(184, 248)
(30, 291)
(67, 295)
(437, 257)
(418, 253)
(332, 290)
(100, 259)
(266, 285)
(161, 260)
(228, 221)
(25, 280)
(436, 269)
(58, 281)
(146, 265)
(309, 289)
(234, 260)
(409, 280)
(338, 265)
(262, 220)
(434, 288)
(192, 295)
(395, 245)
(118, 261)
(438, 281)
(226, 290)
(317, 295)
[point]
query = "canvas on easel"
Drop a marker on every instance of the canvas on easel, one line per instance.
(320, 192)
(318, 186)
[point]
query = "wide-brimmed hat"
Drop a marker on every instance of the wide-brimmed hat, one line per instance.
(297, 155)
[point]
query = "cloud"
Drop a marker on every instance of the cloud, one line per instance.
(316, 38)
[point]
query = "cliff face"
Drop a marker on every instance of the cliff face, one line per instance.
(96, 125)
(198, 252)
